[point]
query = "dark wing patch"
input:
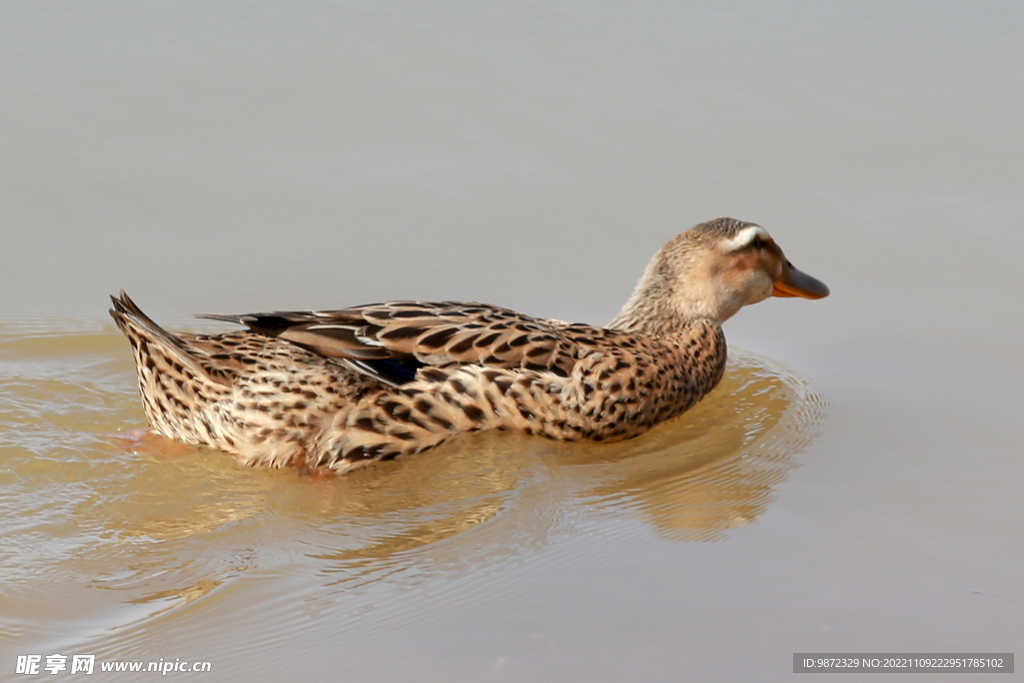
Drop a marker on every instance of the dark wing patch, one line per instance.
(388, 370)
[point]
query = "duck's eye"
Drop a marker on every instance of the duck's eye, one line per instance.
(757, 243)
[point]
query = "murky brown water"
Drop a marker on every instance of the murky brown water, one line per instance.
(217, 157)
(110, 540)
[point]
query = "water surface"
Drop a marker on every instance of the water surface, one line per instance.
(114, 539)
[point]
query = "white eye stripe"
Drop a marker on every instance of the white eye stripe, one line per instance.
(746, 236)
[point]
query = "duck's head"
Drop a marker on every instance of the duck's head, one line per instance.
(711, 271)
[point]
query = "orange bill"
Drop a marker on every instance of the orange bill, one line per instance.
(793, 282)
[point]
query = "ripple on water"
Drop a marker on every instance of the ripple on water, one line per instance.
(108, 545)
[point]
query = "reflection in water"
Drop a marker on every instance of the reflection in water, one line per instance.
(713, 469)
(693, 478)
(165, 526)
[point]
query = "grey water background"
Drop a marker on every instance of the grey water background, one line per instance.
(230, 157)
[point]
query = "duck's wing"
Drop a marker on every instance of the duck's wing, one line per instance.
(392, 341)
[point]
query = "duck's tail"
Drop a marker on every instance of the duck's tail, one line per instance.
(143, 332)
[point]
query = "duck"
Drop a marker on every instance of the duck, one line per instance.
(331, 391)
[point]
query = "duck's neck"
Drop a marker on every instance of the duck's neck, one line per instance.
(655, 318)
(663, 304)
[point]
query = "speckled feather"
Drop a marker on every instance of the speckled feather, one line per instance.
(336, 390)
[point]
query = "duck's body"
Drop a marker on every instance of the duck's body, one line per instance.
(340, 389)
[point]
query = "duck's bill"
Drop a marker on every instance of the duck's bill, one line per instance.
(796, 283)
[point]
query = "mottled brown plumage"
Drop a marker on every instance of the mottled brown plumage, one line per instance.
(336, 390)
